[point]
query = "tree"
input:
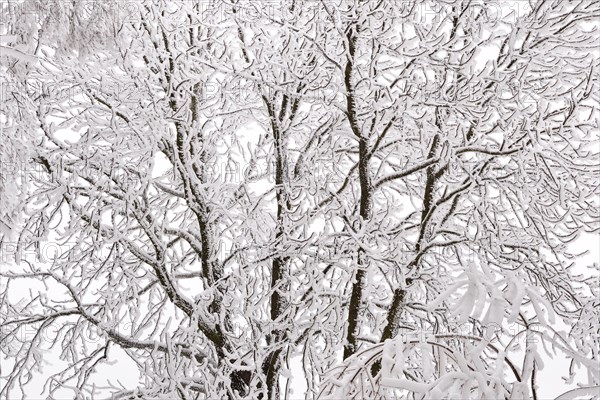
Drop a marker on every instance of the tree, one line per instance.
(389, 191)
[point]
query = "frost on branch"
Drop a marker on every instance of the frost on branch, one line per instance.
(372, 199)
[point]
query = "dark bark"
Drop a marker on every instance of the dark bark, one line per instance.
(391, 328)
(271, 366)
(355, 306)
(393, 318)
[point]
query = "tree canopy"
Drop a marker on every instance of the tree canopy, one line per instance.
(385, 196)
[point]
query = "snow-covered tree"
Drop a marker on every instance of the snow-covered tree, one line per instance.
(387, 195)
